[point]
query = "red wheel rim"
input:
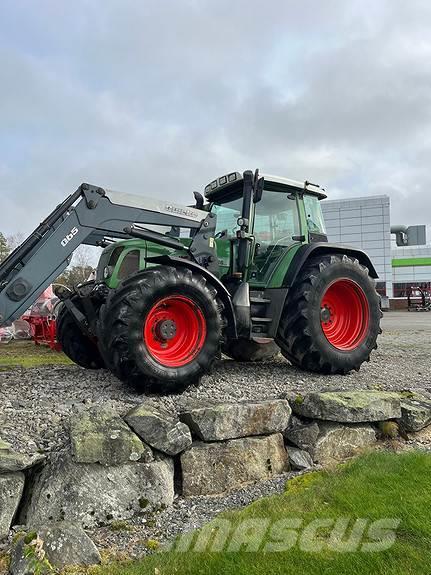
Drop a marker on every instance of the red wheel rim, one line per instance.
(344, 314)
(174, 331)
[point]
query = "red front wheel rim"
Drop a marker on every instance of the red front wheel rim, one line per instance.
(344, 314)
(174, 331)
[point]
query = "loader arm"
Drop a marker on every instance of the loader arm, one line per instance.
(85, 217)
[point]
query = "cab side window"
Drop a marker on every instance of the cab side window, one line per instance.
(115, 255)
(129, 265)
(313, 211)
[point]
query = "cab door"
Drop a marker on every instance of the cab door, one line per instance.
(276, 230)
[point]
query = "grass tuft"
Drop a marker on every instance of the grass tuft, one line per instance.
(389, 429)
(303, 482)
(152, 544)
(120, 525)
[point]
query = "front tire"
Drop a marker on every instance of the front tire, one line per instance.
(162, 328)
(74, 343)
(331, 318)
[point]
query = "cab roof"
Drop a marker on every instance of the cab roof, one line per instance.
(233, 181)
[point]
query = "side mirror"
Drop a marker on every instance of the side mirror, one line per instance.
(199, 200)
(298, 238)
(257, 196)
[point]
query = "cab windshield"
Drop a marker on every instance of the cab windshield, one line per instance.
(227, 217)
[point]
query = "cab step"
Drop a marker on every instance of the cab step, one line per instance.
(261, 319)
(258, 300)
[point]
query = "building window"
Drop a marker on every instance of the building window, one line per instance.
(381, 288)
(410, 288)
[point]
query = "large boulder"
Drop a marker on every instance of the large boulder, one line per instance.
(99, 435)
(10, 461)
(303, 434)
(337, 442)
(92, 494)
(348, 406)
(159, 428)
(211, 468)
(61, 544)
(11, 488)
(415, 412)
(232, 420)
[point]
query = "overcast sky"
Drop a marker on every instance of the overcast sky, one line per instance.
(158, 97)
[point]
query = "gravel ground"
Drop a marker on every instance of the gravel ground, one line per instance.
(35, 406)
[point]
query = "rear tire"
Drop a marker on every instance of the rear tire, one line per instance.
(331, 317)
(161, 328)
(75, 344)
(249, 350)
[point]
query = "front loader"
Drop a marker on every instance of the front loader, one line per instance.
(250, 272)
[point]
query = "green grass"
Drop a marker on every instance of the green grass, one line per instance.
(375, 486)
(27, 354)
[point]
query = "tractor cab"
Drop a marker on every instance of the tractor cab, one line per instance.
(261, 222)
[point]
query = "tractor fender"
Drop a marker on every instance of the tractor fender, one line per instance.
(320, 248)
(223, 293)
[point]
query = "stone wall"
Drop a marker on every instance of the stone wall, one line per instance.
(114, 468)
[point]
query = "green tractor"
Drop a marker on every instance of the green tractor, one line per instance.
(247, 271)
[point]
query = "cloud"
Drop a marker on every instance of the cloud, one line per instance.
(159, 98)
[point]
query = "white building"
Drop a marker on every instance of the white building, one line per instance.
(364, 223)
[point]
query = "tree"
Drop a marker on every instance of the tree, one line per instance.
(83, 257)
(80, 269)
(74, 275)
(9, 243)
(4, 248)
(15, 240)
